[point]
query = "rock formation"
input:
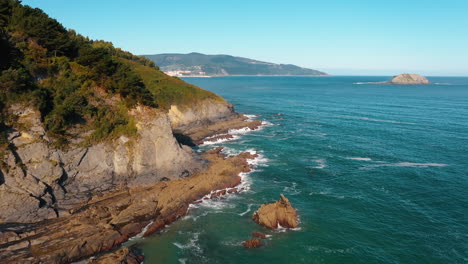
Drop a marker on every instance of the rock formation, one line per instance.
(38, 181)
(252, 243)
(407, 78)
(258, 234)
(106, 221)
(274, 215)
(121, 256)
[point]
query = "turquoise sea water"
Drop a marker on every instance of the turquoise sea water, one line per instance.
(378, 174)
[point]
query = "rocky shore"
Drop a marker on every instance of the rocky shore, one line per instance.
(106, 221)
(65, 205)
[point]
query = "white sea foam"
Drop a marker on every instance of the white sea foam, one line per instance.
(250, 117)
(292, 190)
(411, 164)
(143, 231)
(358, 158)
(321, 164)
(236, 133)
(249, 208)
(377, 120)
(219, 204)
(191, 245)
(207, 141)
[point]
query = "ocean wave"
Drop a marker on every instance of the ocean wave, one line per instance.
(377, 120)
(244, 186)
(236, 133)
(330, 194)
(191, 245)
(249, 208)
(207, 140)
(411, 164)
(329, 250)
(321, 164)
(292, 190)
(358, 158)
(384, 82)
(143, 231)
(250, 117)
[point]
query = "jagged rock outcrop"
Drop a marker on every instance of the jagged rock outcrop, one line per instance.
(274, 215)
(40, 181)
(407, 78)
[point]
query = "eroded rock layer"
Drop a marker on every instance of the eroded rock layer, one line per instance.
(106, 221)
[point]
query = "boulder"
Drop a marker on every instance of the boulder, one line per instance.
(258, 234)
(278, 214)
(252, 243)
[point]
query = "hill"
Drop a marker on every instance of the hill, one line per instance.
(76, 83)
(197, 64)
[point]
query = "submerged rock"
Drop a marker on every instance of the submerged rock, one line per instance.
(274, 215)
(258, 234)
(407, 78)
(252, 243)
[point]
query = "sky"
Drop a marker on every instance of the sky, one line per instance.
(340, 37)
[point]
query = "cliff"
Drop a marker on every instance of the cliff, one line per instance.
(40, 181)
(106, 221)
(79, 118)
(407, 78)
(88, 155)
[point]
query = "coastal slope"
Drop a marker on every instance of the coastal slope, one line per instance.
(197, 64)
(80, 118)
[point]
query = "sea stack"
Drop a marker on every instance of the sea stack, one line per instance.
(407, 78)
(278, 214)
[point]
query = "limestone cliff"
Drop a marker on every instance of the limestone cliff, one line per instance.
(203, 113)
(38, 181)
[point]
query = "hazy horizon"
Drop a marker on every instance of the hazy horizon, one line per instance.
(340, 38)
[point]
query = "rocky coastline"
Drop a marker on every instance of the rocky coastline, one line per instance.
(98, 197)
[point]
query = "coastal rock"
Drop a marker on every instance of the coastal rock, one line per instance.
(259, 235)
(203, 113)
(274, 215)
(407, 78)
(121, 256)
(105, 222)
(252, 243)
(41, 182)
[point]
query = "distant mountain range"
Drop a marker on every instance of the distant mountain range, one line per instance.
(197, 64)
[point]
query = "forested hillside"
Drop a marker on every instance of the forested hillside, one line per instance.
(78, 84)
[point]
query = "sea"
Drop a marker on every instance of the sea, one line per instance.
(378, 174)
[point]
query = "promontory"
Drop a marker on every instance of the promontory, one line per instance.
(94, 143)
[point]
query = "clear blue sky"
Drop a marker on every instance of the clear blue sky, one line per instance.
(378, 37)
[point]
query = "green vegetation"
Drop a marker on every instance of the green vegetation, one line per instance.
(77, 84)
(170, 90)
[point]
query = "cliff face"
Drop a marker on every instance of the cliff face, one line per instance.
(38, 181)
(203, 113)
